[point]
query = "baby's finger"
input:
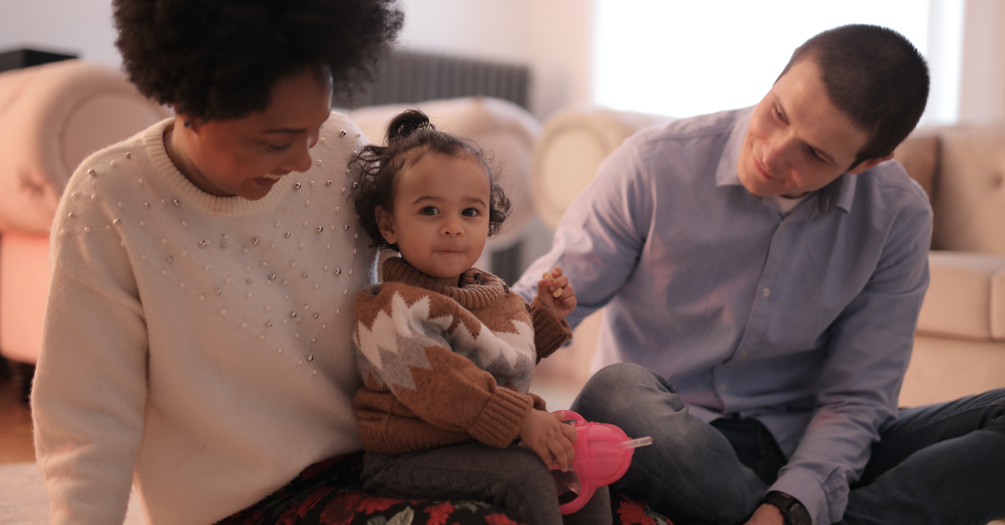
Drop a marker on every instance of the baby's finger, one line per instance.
(562, 455)
(556, 272)
(570, 433)
(542, 287)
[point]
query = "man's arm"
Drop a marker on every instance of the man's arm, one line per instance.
(598, 242)
(870, 346)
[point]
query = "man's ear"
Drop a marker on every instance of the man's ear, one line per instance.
(866, 164)
(385, 223)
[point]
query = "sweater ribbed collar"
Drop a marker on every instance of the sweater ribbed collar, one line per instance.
(153, 143)
(477, 288)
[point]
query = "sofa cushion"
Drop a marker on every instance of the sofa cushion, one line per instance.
(919, 155)
(970, 201)
(966, 298)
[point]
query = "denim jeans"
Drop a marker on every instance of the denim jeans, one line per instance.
(940, 464)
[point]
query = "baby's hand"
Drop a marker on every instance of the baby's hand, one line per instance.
(549, 438)
(554, 291)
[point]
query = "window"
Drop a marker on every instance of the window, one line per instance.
(684, 58)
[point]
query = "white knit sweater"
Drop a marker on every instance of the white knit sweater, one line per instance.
(197, 346)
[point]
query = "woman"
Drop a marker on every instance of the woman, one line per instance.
(197, 337)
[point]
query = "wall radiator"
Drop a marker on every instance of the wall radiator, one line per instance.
(407, 77)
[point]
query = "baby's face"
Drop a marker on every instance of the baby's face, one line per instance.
(440, 219)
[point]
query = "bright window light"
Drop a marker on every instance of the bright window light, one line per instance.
(684, 58)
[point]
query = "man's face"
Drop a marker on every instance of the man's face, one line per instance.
(797, 141)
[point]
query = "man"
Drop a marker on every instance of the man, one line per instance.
(763, 270)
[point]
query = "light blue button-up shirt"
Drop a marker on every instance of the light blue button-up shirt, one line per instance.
(804, 321)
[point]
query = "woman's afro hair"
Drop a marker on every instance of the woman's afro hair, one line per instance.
(219, 59)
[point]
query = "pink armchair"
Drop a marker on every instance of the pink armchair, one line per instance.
(51, 117)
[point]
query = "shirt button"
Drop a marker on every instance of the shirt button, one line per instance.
(766, 292)
(722, 387)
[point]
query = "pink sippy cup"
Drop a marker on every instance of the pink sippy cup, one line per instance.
(603, 454)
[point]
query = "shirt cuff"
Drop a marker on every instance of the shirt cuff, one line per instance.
(503, 418)
(806, 488)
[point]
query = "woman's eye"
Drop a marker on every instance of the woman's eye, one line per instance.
(281, 147)
(816, 155)
(778, 114)
(429, 210)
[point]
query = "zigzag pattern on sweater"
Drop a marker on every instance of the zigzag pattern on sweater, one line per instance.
(395, 343)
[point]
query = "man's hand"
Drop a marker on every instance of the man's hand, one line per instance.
(549, 438)
(554, 291)
(766, 515)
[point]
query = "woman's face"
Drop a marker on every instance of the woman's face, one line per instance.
(245, 156)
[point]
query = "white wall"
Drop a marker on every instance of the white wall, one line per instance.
(553, 37)
(982, 84)
(78, 27)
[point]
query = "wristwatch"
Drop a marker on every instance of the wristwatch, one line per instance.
(793, 512)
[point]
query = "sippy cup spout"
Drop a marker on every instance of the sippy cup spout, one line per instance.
(636, 443)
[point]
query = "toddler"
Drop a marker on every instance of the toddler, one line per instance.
(446, 352)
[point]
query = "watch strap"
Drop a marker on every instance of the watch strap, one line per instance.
(793, 512)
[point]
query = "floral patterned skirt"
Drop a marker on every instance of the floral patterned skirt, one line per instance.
(329, 493)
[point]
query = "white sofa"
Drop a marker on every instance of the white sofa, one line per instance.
(960, 342)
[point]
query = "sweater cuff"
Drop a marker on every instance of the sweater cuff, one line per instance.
(502, 419)
(550, 332)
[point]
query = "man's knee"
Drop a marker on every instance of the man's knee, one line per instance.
(633, 398)
(611, 393)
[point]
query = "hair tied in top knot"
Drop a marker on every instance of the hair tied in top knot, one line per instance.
(407, 123)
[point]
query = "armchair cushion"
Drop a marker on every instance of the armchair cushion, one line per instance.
(51, 117)
(966, 297)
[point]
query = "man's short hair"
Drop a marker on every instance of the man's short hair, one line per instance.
(874, 75)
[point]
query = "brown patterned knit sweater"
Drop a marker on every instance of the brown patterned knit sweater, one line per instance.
(442, 365)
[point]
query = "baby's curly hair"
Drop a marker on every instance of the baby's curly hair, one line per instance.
(219, 59)
(378, 167)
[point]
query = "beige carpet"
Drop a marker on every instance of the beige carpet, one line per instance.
(23, 500)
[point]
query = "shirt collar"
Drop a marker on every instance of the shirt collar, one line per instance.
(725, 173)
(839, 193)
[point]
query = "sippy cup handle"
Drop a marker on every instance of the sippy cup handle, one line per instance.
(603, 454)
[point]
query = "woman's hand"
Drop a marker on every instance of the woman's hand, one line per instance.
(549, 438)
(554, 291)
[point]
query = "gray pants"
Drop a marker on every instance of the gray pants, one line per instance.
(513, 479)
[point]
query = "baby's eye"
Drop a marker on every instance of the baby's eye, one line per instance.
(470, 212)
(429, 210)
